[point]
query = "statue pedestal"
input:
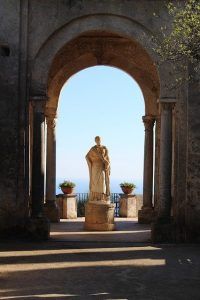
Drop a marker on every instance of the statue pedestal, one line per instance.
(99, 216)
(128, 206)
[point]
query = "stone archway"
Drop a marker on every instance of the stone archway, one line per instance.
(102, 47)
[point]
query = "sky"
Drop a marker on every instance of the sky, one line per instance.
(102, 101)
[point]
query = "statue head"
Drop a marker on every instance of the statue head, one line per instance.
(98, 140)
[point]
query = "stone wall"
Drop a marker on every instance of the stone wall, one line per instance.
(27, 28)
(192, 204)
(12, 200)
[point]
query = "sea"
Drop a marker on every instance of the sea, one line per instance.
(82, 185)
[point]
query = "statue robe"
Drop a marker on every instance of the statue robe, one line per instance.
(99, 170)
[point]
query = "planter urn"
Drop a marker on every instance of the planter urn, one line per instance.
(67, 190)
(127, 190)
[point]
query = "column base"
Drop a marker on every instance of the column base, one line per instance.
(51, 211)
(163, 231)
(146, 215)
(99, 216)
(38, 228)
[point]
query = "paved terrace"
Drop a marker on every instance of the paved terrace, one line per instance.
(127, 230)
(80, 265)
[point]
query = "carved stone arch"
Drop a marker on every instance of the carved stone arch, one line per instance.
(100, 48)
(122, 43)
(113, 24)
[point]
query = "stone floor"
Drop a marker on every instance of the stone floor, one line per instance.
(127, 230)
(98, 268)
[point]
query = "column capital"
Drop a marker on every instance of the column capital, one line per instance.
(168, 100)
(167, 103)
(158, 119)
(39, 103)
(50, 114)
(51, 121)
(39, 98)
(148, 121)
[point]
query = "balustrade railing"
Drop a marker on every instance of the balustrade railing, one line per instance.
(114, 198)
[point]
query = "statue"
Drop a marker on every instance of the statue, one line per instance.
(99, 172)
(99, 212)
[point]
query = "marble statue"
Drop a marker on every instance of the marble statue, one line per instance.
(99, 172)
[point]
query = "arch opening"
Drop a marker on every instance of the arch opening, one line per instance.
(102, 48)
(108, 102)
(108, 49)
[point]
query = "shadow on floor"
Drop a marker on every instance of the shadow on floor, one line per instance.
(90, 271)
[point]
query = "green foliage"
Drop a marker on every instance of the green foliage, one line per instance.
(183, 42)
(67, 183)
(128, 184)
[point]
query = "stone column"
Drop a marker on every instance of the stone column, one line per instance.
(145, 215)
(162, 228)
(157, 162)
(39, 224)
(51, 207)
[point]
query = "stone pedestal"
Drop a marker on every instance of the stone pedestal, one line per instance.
(127, 206)
(69, 206)
(99, 216)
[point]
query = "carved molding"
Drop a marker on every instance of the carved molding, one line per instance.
(148, 121)
(51, 121)
(167, 105)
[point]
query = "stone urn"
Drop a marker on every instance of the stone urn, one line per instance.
(67, 190)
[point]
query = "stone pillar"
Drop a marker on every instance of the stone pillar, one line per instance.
(165, 160)
(157, 163)
(51, 207)
(162, 228)
(145, 215)
(38, 226)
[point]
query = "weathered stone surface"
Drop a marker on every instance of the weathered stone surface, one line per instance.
(163, 231)
(99, 172)
(67, 206)
(146, 215)
(128, 206)
(52, 211)
(38, 228)
(99, 216)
